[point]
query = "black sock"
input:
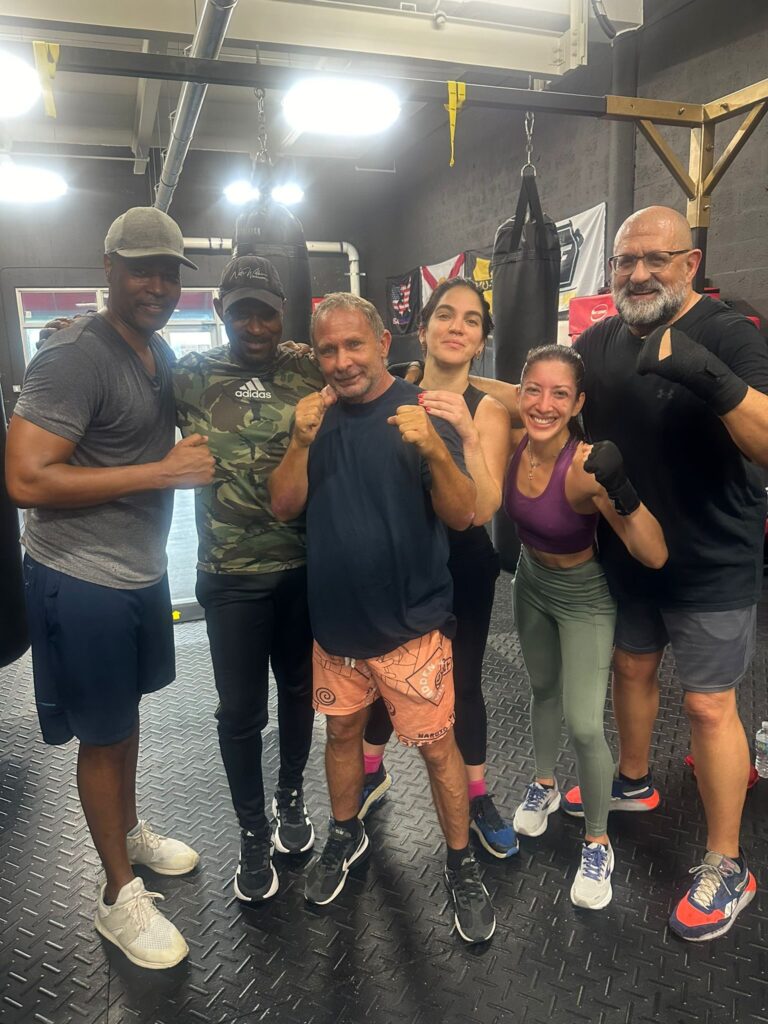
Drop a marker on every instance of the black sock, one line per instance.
(635, 782)
(455, 857)
(352, 825)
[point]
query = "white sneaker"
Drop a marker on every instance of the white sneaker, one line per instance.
(532, 814)
(163, 855)
(135, 925)
(592, 885)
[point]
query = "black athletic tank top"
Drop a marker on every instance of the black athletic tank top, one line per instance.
(475, 541)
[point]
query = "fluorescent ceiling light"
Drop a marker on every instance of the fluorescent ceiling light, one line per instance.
(19, 86)
(288, 194)
(29, 184)
(340, 106)
(241, 192)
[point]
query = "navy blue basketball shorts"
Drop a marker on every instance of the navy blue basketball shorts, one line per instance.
(95, 651)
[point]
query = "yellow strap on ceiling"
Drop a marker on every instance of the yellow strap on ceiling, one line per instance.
(457, 94)
(46, 59)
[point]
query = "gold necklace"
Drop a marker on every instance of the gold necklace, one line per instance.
(535, 465)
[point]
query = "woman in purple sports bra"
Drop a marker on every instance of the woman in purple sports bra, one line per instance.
(555, 488)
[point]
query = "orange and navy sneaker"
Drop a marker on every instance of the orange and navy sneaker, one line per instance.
(720, 892)
(625, 796)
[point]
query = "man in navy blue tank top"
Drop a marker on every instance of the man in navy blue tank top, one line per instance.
(379, 479)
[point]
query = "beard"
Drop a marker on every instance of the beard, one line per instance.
(656, 309)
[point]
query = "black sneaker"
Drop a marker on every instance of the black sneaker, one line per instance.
(375, 786)
(294, 832)
(256, 878)
(473, 914)
(328, 871)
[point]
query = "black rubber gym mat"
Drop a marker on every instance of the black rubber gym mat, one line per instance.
(386, 951)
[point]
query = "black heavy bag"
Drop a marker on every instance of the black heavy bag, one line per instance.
(13, 620)
(270, 230)
(526, 280)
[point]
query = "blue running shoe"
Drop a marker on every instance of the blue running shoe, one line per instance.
(625, 796)
(719, 893)
(494, 833)
(375, 786)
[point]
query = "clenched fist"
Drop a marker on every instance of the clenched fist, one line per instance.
(416, 428)
(309, 414)
(188, 464)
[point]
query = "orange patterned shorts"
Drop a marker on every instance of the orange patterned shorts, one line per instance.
(415, 681)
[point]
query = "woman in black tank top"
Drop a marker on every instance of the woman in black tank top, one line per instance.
(454, 326)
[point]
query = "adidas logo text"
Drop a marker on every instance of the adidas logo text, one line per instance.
(253, 389)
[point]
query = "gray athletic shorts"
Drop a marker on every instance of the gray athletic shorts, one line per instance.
(712, 649)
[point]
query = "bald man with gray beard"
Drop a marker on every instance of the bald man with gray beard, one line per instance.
(680, 383)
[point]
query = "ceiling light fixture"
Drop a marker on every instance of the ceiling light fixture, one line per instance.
(19, 86)
(288, 194)
(241, 192)
(340, 106)
(29, 184)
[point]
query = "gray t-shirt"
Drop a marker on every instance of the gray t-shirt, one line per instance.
(88, 385)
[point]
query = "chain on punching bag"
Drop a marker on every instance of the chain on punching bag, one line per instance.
(270, 230)
(526, 286)
(13, 620)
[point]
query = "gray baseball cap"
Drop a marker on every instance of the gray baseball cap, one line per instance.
(251, 277)
(145, 231)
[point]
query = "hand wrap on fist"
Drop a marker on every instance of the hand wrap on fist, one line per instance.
(607, 467)
(688, 363)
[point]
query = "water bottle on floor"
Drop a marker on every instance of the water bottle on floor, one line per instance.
(761, 751)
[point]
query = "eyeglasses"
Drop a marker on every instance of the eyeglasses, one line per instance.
(654, 261)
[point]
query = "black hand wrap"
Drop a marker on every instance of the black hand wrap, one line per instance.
(695, 367)
(607, 466)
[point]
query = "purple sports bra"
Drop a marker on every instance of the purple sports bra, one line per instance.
(548, 523)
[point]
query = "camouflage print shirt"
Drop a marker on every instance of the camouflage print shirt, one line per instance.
(247, 417)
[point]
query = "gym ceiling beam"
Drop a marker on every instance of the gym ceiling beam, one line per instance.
(697, 183)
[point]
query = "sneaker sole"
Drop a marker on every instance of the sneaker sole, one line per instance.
(625, 806)
(358, 856)
(106, 934)
(585, 905)
(487, 846)
(374, 797)
(539, 831)
(280, 846)
(744, 901)
(166, 871)
(257, 899)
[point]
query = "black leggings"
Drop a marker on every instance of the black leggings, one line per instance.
(253, 620)
(474, 583)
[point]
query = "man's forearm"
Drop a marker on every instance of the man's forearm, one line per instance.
(453, 493)
(748, 426)
(64, 486)
(288, 485)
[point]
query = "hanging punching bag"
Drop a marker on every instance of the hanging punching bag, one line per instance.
(13, 620)
(526, 281)
(270, 230)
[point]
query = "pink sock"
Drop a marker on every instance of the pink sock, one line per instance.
(477, 787)
(372, 762)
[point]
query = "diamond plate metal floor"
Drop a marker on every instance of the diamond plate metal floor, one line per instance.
(385, 953)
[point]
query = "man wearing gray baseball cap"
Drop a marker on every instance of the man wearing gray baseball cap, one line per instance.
(91, 457)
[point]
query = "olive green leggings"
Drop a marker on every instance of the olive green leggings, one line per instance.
(565, 620)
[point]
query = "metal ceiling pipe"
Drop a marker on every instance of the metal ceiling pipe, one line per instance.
(224, 245)
(209, 36)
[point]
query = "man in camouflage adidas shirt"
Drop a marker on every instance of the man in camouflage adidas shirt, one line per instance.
(251, 578)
